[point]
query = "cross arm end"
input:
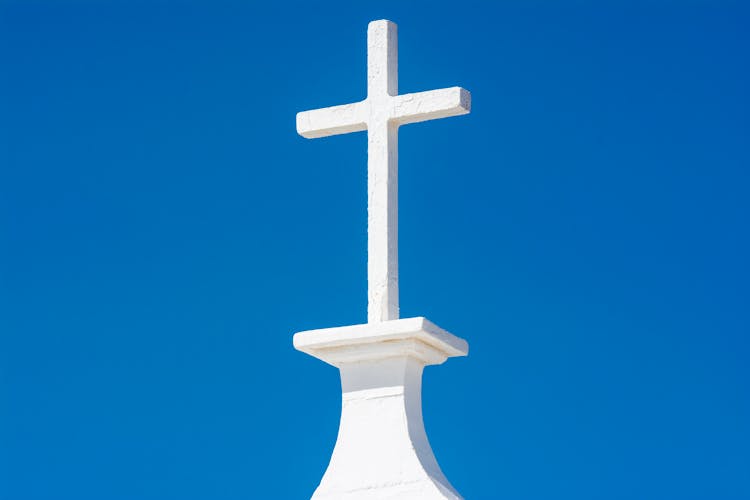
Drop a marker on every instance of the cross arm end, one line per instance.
(431, 105)
(331, 121)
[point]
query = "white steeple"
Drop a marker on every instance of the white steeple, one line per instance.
(382, 450)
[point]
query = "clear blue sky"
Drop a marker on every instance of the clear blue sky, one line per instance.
(164, 232)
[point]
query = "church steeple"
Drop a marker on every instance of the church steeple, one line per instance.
(382, 449)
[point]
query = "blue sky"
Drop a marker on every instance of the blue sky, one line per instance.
(164, 232)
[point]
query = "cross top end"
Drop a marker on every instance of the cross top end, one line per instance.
(381, 113)
(382, 83)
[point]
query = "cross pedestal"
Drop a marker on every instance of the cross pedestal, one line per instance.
(382, 451)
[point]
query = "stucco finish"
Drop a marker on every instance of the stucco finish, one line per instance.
(381, 113)
(382, 451)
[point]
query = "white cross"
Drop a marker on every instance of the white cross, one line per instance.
(381, 113)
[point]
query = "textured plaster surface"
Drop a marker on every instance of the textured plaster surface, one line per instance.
(381, 113)
(382, 451)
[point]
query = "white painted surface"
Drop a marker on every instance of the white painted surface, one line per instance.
(382, 451)
(381, 113)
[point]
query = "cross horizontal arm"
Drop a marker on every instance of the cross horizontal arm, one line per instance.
(430, 105)
(332, 121)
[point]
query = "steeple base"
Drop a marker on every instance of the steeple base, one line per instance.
(382, 451)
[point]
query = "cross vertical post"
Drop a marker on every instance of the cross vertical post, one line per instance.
(382, 173)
